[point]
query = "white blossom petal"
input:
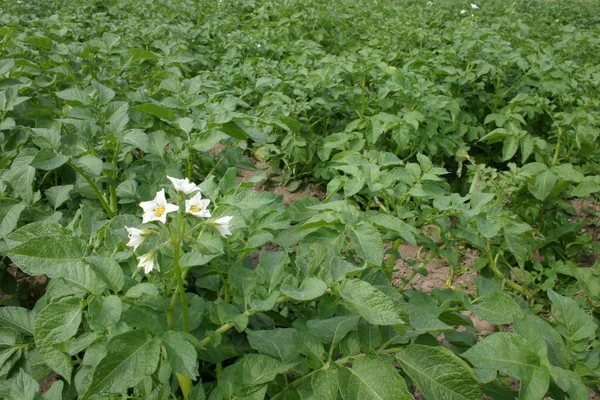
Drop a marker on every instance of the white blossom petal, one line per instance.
(148, 262)
(157, 209)
(197, 206)
(136, 237)
(222, 225)
(183, 185)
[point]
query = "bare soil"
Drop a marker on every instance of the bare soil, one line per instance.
(438, 271)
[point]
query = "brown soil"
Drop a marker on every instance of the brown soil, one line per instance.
(587, 211)
(438, 271)
(29, 288)
(47, 383)
(288, 196)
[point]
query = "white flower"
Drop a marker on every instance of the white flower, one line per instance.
(148, 263)
(183, 185)
(157, 209)
(430, 3)
(463, 12)
(197, 206)
(222, 225)
(474, 6)
(136, 237)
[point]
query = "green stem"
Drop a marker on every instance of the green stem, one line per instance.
(109, 211)
(180, 288)
(415, 272)
(224, 328)
(499, 275)
(363, 99)
(392, 261)
(326, 366)
(434, 218)
(558, 146)
(112, 190)
(298, 382)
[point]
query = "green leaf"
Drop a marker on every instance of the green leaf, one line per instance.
(372, 378)
(57, 257)
(137, 138)
(35, 230)
(197, 393)
(75, 95)
(575, 323)
(513, 355)
(543, 184)
(544, 338)
(247, 199)
(18, 318)
(48, 160)
(310, 289)
(104, 94)
(119, 118)
(20, 387)
(46, 137)
(55, 391)
(424, 313)
(566, 172)
(157, 143)
(156, 110)
(57, 323)
(325, 384)
(497, 308)
(130, 357)
(235, 129)
(21, 174)
(181, 353)
(488, 226)
(371, 303)
(518, 245)
(510, 147)
(270, 269)
(368, 242)
(332, 330)
(9, 336)
(280, 343)
(90, 164)
(108, 270)
(590, 185)
(439, 373)
(258, 369)
(141, 55)
(57, 195)
(571, 382)
(11, 218)
(104, 312)
(396, 225)
(196, 259)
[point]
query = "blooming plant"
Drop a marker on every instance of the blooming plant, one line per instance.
(409, 140)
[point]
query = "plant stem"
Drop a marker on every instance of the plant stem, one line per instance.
(558, 145)
(298, 382)
(224, 328)
(180, 288)
(415, 271)
(109, 211)
(496, 271)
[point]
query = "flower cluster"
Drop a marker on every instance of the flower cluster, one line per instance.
(158, 209)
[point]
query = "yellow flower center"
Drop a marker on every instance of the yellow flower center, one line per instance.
(159, 211)
(194, 208)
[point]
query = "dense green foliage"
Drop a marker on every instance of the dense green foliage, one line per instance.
(445, 125)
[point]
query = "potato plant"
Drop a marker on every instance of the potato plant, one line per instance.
(143, 146)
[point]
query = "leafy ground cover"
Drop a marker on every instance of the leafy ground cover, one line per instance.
(145, 149)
